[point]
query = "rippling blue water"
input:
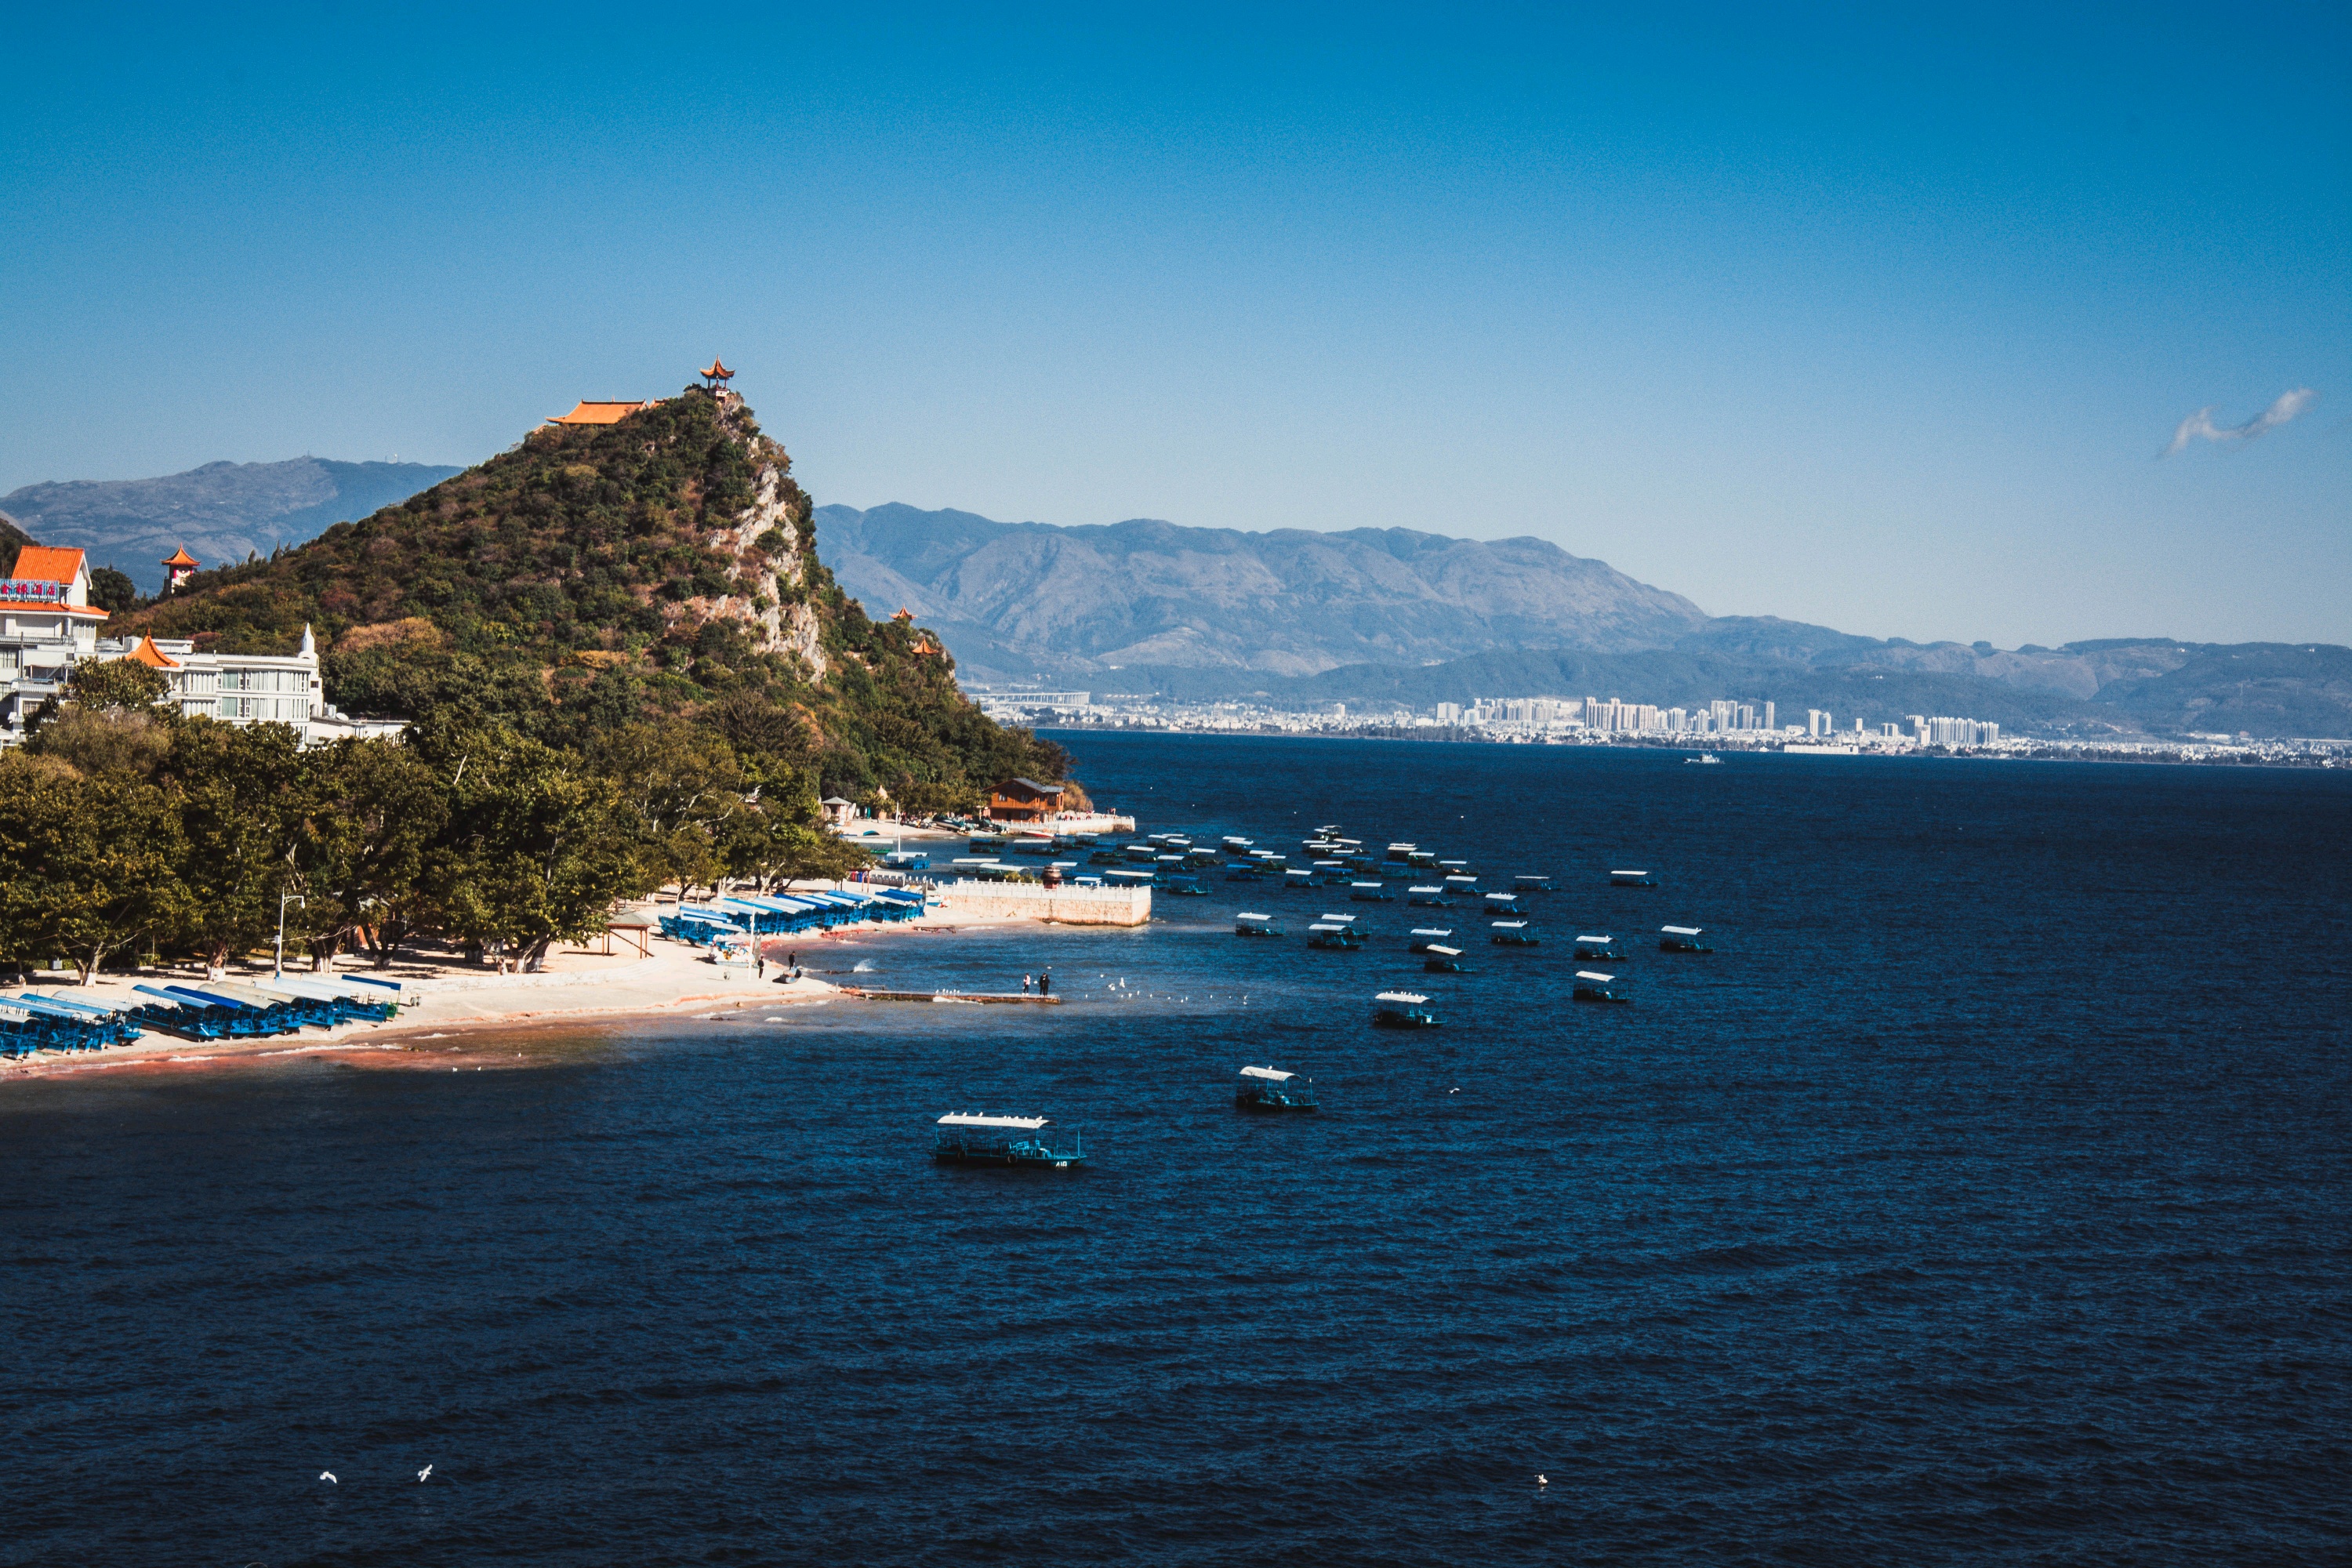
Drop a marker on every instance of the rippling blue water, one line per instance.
(1986, 1196)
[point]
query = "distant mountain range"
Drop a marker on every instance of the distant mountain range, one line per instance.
(1382, 617)
(222, 512)
(1026, 600)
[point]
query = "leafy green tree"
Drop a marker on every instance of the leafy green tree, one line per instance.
(244, 794)
(534, 851)
(123, 683)
(113, 590)
(93, 863)
(375, 811)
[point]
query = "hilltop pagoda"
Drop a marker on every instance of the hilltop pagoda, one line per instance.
(178, 567)
(715, 375)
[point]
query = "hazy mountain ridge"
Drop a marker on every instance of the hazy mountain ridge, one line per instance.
(1392, 615)
(222, 512)
(2157, 686)
(1025, 600)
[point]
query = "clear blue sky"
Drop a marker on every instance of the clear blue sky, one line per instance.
(1878, 325)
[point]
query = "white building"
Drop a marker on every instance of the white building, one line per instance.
(47, 626)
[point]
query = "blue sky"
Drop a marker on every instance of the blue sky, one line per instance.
(1875, 323)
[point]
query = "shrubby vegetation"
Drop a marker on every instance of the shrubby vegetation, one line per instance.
(129, 829)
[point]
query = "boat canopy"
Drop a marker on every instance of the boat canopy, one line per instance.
(1364, 884)
(1445, 952)
(1510, 925)
(1432, 931)
(1502, 898)
(1680, 930)
(1251, 915)
(966, 1119)
(1269, 1074)
(1343, 920)
(1603, 940)
(1319, 925)
(1595, 975)
(1413, 997)
(1628, 873)
(1424, 889)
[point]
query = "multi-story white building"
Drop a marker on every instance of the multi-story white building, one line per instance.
(47, 626)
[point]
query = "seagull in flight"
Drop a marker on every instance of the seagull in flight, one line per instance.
(329, 1477)
(423, 1473)
(1542, 1479)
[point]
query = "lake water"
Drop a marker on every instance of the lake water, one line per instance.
(1987, 1195)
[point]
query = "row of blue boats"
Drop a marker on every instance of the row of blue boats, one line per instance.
(215, 1010)
(738, 918)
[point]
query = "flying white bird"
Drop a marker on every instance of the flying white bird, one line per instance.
(423, 1473)
(329, 1477)
(1542, 1479)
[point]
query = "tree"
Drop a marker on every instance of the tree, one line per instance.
(123, 683)
(533, 853)
(375, 811)
(93, 863)
(683, 793)
(244, 798)
(113, 590)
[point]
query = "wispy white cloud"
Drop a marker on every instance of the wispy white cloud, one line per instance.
(2200, 425)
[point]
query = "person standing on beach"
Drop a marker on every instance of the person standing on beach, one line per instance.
(1046, 983)
(760, 965)
(1025, 985)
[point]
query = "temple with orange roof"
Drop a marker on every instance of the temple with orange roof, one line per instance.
(715, 373)
(178, 567)
(606, 412)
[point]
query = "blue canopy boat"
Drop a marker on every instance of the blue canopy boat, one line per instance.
(1603, 948)
(962, 1138)
(1426, 897)
(1267, 1088)
(1444, 960)
(1248, 923)
(1593, 987)
(1681, 939)
(1426, 937)
(1514, 933)
(1403, 1010)
(1632, 879)
(1183, 882)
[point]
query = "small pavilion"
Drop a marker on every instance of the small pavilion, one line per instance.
(178, 567)
(715, 375)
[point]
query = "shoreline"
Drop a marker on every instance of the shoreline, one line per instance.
(446, 1001)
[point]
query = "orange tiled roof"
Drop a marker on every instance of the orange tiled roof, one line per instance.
(718, 370)
(181, 557)
(47, 563)
(599, 413)
(154, 658)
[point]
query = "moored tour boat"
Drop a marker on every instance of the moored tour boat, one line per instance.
(1250, 923)
(1442, 960)
(964, 1139)
(1514, 933)
(1265, 1088)
(1403, 1010)
(1339, 938)
(1632, 879)
(1600, 948)
(1426, 937)
(1592, 986)
(1681, 939)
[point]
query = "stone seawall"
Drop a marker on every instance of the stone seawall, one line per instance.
(974, 901)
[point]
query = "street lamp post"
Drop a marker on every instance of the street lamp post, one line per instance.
(279, 972)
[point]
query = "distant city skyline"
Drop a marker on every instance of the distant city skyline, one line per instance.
(2003, 326)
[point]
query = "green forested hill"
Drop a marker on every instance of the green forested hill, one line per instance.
(663, 570)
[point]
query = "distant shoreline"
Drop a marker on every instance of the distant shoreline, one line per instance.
(2039, 752)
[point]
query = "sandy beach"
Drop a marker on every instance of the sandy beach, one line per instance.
(446, 999)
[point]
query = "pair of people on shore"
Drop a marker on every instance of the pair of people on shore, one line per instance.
(1044, 982)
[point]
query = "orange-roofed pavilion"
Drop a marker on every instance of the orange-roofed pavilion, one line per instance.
(599, 413)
